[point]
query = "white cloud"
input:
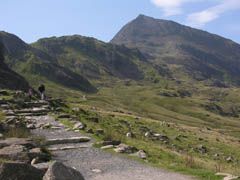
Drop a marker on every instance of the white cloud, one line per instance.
(171, 7)
(199, 19)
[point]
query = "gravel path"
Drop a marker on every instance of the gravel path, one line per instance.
(95, 164)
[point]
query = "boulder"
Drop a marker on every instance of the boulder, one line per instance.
(42, 166)
(15, 153)
(37, 153)
(35, 161)
(183, 136)
(75, 109)
(31, 126)
(79, 126)
(58, 171)
(202, 149)
(96, 170)
(141, 154)
(147, 134)
(93, 119)
(106, 143)
(5, 106)
(19, 171)
(99, 131)
(62, 116)
(123, 148)
(229, 159)
(161, 137)
(90, 131)
(107, 147)
(165, 124)
(130, 135)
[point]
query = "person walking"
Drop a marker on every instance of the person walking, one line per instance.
(41, 89)
(30, 93)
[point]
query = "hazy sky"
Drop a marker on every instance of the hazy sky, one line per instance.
(102, 19)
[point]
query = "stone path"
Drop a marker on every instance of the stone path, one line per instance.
(76, 151)
(95, 164)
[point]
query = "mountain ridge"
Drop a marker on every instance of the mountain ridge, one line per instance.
(93, 53)
(31, 62)
(209, 56)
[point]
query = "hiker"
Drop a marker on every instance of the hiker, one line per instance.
(30, 93)
(41, 89)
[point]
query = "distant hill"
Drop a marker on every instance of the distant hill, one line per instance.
(8, 78)
(198, 54)
(71, 61)
(35, 64)
(93, 58)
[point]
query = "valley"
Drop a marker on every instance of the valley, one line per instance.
(155, 77)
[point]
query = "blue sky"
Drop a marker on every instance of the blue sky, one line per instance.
(102, 19)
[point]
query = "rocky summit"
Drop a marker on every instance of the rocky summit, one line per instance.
(199, 54)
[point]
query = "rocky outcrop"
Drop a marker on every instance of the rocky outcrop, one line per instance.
(19, 171)
(21, 150)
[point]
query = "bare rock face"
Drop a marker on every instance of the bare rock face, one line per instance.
(19, 171)
(27, 143)
(58, 171)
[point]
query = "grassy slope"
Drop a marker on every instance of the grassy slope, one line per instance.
(179, 154)
(136, 101)
(146, 106)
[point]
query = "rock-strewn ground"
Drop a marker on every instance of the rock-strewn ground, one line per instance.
(95, 164)
(76, 151)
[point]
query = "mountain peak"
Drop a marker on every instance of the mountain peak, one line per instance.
(172, 43)
(142, 16)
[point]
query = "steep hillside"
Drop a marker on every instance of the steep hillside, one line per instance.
(36, 65)
(92, 58)
(198, 54)
(8, 78)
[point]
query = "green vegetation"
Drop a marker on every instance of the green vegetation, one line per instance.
(181, 153)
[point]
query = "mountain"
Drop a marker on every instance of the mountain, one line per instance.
(93, 58)
(8, 78)
(198, 54)
(73, 61)
(37, 66)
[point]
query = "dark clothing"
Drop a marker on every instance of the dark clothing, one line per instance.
(41, 88)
